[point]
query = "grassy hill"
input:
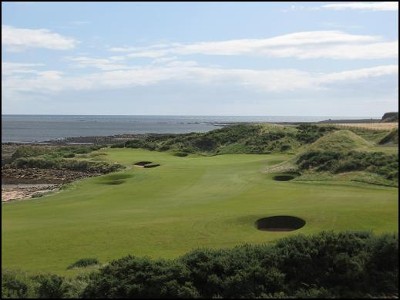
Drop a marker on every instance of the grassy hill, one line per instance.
(392, 138)
(340, 140)
(240, 138)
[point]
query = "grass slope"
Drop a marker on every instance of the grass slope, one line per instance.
(187, 202)
(341, 140)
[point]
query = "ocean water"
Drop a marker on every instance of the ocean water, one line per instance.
(39, 128)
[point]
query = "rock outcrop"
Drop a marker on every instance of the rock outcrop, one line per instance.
(390, 117)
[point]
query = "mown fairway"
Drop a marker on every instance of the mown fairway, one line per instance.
(187, 202)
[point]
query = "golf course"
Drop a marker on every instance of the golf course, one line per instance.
(184, 203)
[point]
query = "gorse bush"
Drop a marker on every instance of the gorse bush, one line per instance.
(16, 285)
(238, 138)
(50, 286)
(84, 262)
(325, 265)
(133, 277)
(66, 164)
(338, 162)
(391, 137)
(52, 151)
(309, 133)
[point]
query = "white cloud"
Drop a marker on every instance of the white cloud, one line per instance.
(360, 74)
(99, 63)
(341, 51)
(10, 68)
(188, 72)
(302, 45)
(50, 75)
(149, 53)
(374, 6)
(122, 49)
(18, 39)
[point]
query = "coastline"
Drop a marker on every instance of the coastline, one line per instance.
(21, 184)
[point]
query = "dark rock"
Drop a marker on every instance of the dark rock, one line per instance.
(390, 117)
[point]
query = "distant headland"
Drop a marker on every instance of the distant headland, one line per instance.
(386, 118)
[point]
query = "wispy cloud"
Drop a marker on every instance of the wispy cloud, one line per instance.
(374, 6)
(10, 68)
(302, 45)
(105, 64)
(269, 81)
(19, 39)
(360, 74)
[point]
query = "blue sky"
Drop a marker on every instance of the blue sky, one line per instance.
(200, 58)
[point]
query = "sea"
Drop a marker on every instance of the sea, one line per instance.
(40, 128)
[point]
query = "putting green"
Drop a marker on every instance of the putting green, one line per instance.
(185, 203)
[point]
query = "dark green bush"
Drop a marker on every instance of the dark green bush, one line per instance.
(66, 164)
(391, 137)
(244, 138)
(324, 265)
(133, 277)
(118, 145)
(337, 162)
(50, 286)
(84, 262)
(309, 133)
(28, 151)
(14, 285)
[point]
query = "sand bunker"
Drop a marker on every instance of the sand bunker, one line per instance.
(114, 179)
(280, 223)
(284, 177)
(146, 164)
(142, 163)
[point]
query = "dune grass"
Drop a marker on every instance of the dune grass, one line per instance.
(341, 140)
(186, 203)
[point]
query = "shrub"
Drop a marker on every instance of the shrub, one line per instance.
(309, 133)
(337, 162)
(133, 277)
(15, 285)
(28, 151)
(205, 144)
(392, 137)
(324, 265)
(66, 164)
(84, 262)
(50, 286)
(347, 264)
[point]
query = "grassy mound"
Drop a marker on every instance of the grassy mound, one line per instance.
(341, 140)
(391, 138)
(233, 139)
(340, 162)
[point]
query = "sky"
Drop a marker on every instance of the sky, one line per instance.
(200, 58)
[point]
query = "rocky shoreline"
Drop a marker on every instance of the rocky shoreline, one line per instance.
(28, 183)
(19, 184)
(11, 192)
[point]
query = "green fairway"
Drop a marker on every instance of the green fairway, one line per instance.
(186, 203)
